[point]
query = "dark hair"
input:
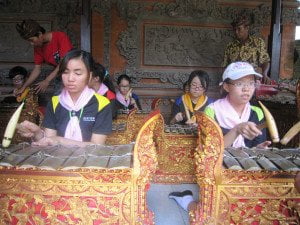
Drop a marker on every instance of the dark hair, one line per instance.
(17, 70)
(101, 72)
(86, 58)
(123, 76)
(242, 19)
(29, 28)
(203, 77)
(184, 85)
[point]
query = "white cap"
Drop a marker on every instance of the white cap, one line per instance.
(238, 70)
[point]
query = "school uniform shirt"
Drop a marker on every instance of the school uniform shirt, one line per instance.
(256, 116)
(119, 105)
(95, 117)
(112, 98)
(52, 52)
(178, 107)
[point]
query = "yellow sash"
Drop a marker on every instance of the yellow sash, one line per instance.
(187, 102)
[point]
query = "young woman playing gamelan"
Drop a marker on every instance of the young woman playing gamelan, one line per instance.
(193, 100)
(78, 116)
(126, 99)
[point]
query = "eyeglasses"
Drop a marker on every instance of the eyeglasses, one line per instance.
(17, 78)
(251, 84)
(125, 87)
(195, 86)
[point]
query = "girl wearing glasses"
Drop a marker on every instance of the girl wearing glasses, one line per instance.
(193, 100)
(237, 118)
(126, 99)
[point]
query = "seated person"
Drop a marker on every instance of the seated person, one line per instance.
(102, 85)
(126, 99)
(30, 111)
(237, 118)
(185, 88)
(78, 116)
(18, 75)
(235, 115)
(192, 101)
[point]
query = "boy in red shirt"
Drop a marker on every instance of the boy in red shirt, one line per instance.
(49, 47)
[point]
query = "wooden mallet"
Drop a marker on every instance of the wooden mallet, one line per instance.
(269, 123)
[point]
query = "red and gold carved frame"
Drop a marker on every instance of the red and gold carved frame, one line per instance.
(134, 122)
(239, 197)
(175, 157)
(82, 196)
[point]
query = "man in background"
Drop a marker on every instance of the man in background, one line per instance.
(247, 48)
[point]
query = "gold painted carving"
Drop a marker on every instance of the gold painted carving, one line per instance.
(134, 122)
(239, 197)
(83, 196)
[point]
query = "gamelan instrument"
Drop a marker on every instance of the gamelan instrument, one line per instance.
(67, 157)
(243, 185)
(181, 129)
(95, 184)
(11, 127)
(262, 159)
(176, 146)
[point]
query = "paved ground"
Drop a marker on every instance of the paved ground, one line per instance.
(166, 211)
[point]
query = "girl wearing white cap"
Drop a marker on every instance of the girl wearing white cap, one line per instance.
(237, 118)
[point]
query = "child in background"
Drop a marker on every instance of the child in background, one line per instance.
(193, 100)
(30, 111)
(102, 85)
(126, 99)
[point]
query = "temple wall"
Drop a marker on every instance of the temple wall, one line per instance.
(158, 43)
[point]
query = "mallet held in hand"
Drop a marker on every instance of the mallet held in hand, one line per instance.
(269, 123)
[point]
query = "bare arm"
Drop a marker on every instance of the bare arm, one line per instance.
(49, 136)
(53, 74)
(32, 77)
(248, 130)
(230, 137)
(265, 70)
(52, 139)
(177, 118)
(42, 86)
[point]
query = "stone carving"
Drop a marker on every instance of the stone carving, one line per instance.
(184, 45)
(51, 14)
(104, 8)
(12, 47)
(290, 15)
(191, 44)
